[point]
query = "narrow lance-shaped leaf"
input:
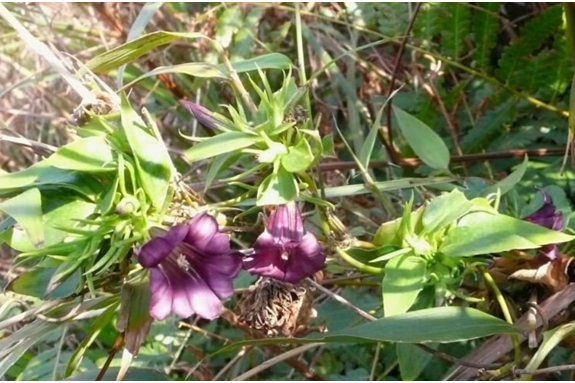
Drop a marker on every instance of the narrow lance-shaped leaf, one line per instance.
(91, 154)
(483, 233)
(146, 14)
(369, 143)
(508, 182)
(438, 324)
(154, 166)
(220, 144)
(426, 144)
(134, 49)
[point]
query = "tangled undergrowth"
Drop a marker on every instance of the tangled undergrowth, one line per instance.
(321, 191)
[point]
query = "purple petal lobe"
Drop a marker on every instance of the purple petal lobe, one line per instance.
(192, 268)
(161, 300)
(286, 224)
(203, 300)
(156, 250)
(266, 262)
(201, 230)
(305, 260)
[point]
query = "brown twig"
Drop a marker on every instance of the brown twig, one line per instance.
(389, 142)
(546, 370)
(115, 347)
(297, 365)
(448, 119)
(478, 157)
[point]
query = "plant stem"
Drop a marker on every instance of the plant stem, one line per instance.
(358, 265)
(301, 63)
(504, 308)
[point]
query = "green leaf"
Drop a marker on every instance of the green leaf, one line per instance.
(508, 182)
(200, 70)
(134, 319)
(327, 146)
(551, 340)
(267, 61)
(483, 233)
(438, 324)
(97, 327)
(445, 210)
(220, 163)
(369, 143)
(426, 144)
(134, 49)
(91, 154)
(153, 163)
(404, 183)
(146, 14)
(134, 374)
(412, 360)
(220, 144)
(277, 189)
(403, 280)
(26, 209)
(41, 366)
(59, 211)
(35, 283)
(299, 157)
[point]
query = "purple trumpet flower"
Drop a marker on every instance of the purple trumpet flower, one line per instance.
(192, 268)
(550, 218)
(285, 251)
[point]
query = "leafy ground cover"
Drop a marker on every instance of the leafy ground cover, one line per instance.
(320, 191)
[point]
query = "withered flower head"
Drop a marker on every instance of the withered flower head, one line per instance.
(192, 268)
(285, 251)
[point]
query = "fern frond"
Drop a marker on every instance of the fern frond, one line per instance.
(455, 30)
(531, 37)
(489, 127)
(428, 23)
(485, 28)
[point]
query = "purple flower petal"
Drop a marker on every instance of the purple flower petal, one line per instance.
(284, 251)
(547, 215)
(285, 223)
(192, 268)
(202, 228)
(155, 251)
(202, 299)
(161, 300)
(306, 259)
(266, 262)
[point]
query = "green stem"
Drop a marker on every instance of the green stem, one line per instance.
(358, 265)
(301, 62)
(233, 76)
(504, 308)
(233, 201)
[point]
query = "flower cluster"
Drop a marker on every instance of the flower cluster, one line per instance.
(192, 266)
